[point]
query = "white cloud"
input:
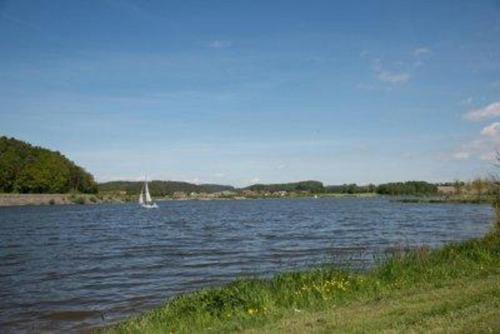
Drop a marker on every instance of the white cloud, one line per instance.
(490, 111)
(392, 77)
(372, 87)
(421, 55)
(482, 148)
(491, 130)
(421, 51)
(220, 44)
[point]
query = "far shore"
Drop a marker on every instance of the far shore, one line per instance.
(68, 199)
(7, 199)
(55, 199)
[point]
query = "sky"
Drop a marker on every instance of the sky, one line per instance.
(241, 92)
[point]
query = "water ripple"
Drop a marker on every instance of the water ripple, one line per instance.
(73, 268)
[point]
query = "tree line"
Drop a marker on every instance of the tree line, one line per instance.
(407, 188)
(161, 188)
(394, 188)
(30, 169)
(309, 186)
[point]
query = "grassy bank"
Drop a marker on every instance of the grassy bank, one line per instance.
(457, 199)
(60, 199)
(454, 288)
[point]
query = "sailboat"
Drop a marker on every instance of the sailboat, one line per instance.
(145, 199)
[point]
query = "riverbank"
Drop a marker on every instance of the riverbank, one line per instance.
(57, 199)
(64, 199)
(454, 288)
(113, 197)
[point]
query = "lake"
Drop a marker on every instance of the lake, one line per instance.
(79, 267)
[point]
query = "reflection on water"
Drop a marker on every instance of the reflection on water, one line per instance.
(77, 267)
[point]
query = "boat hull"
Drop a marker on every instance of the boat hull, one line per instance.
(150, 206)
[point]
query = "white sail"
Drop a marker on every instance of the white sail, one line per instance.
(141, 198)
(145, 199)
(148, 196)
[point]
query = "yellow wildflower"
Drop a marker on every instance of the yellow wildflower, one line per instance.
(252, 311)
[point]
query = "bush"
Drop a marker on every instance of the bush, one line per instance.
(78, 200)
(407, 188)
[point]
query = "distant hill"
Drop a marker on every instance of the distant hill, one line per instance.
(161, 188)
(30, 169)
(311, 186)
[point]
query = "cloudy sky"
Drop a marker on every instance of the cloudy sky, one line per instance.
(239, 92)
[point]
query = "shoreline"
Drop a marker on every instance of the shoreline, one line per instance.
(11, 200)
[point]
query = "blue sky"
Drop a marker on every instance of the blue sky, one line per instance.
(239, 92)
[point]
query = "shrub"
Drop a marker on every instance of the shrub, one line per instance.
(79, 200)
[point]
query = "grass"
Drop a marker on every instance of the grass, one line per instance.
(457, 199)
(78, 199)
(456, 288)
(461, 305)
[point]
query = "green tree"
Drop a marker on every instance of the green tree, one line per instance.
(28, 169)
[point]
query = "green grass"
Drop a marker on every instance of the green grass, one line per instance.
(77, 199)
(454, 289)
(457, 199)
(460, 305)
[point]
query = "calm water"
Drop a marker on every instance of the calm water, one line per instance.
(76, 267)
